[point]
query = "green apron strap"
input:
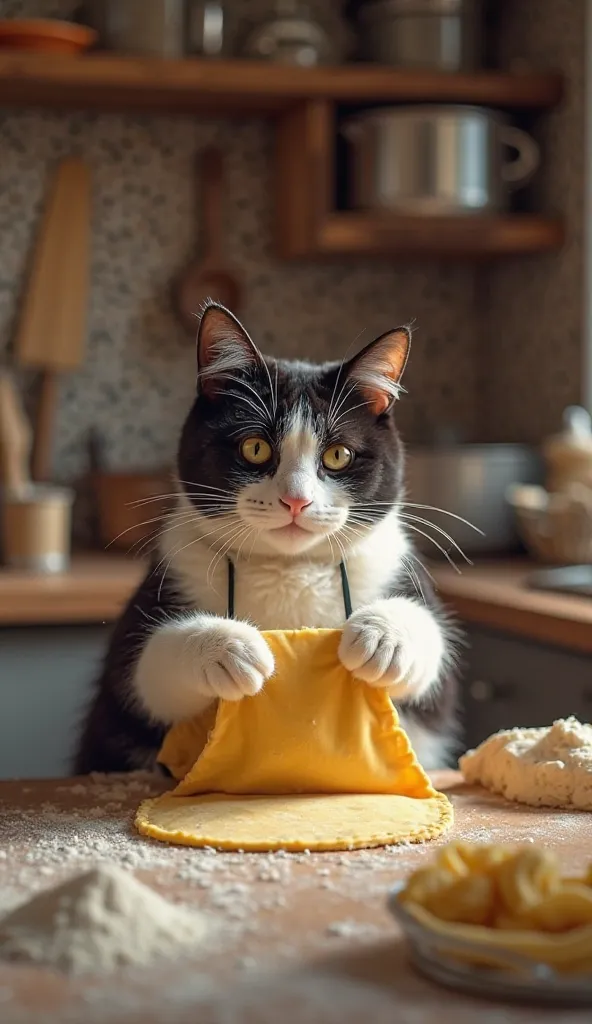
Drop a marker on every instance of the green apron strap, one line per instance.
(347, 601)
(230, 589)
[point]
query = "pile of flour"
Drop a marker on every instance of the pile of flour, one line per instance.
(97, 922)
(549, 767)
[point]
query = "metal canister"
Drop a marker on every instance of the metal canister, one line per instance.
(444, 35)
(148, 27)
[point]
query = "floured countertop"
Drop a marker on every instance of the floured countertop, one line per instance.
(298, 938)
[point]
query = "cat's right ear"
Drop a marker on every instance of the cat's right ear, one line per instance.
(224, 349)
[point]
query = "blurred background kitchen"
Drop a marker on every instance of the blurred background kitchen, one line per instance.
(329, 169)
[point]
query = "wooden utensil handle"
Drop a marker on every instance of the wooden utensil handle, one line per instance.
(15, 475)
(212, 183)
(44, 426)
(15, 437)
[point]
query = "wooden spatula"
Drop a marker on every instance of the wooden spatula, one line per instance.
(52, 329)
(15, 439)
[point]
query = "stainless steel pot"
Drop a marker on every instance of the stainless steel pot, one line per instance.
(148, 27)
(470, 481)
(445, 35)
(437, 160)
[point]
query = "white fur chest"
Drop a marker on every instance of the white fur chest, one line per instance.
(275, 593)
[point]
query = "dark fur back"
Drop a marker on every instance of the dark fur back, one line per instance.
(117, 735)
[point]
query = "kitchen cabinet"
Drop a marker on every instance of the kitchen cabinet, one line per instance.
(45, 679)
(508, 682)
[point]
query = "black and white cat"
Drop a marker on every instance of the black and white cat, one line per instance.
(287, 469)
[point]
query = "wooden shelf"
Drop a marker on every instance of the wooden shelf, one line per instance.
(304, 101)
(372, 234)
(107, 82)
(308, 226)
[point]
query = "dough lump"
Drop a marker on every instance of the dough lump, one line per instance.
(548, 767)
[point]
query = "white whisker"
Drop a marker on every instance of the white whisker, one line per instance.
(410, 504)
(256, 533)
(341, 548)
(443, 511)
(348, 412)
(140, 545)
(227, 543)
(197, 539)
(274, 405)
(206, 487)
(424, 567)
(427, 522)
(201, 536)
(353, 531)
(248, 534)
(138, 526)
(251, 427)
(243, 383)
(414, 578)
(344, 396)
(439, 546)
(240, 398)
(330, 412)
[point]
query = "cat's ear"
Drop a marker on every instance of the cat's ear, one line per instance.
(378, 368)
(224, 348)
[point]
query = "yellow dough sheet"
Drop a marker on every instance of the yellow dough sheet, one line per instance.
(316, 760)
(258, 823)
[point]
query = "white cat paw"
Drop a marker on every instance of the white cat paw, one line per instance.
(230, 659)
(395, 644)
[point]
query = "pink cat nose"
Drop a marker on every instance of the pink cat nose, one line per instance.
(295, 504)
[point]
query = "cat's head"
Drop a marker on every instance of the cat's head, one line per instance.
(284, 457)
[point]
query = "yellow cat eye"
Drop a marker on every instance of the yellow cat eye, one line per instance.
(256, 450)
(337, 457)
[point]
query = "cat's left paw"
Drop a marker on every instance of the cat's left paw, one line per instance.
(396, 644)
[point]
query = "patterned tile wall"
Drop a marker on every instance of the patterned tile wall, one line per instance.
(533, 346)
(137, 378)
(136, 381)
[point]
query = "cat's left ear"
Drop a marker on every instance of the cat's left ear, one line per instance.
(378, 368)
(224, 349)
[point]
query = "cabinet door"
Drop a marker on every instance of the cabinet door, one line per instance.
(45, 679)
(509, 682)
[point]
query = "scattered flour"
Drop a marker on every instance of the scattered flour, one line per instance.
(351, 929)
(93, 827)
(549, 767)
(97, 922)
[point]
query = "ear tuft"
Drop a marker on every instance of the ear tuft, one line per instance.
(223, 347)
(378, 368)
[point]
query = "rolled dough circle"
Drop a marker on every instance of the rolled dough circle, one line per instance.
(294, 822)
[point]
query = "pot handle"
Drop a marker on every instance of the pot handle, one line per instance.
(352, 130)
(518, 171)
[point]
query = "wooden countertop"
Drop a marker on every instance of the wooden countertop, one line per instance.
(302, 939)
(95, 589)
(494, 595)
(489, 594)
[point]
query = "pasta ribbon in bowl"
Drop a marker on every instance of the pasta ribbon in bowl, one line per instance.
(498, 911)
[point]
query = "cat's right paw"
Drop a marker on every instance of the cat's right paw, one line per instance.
(230, 659)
